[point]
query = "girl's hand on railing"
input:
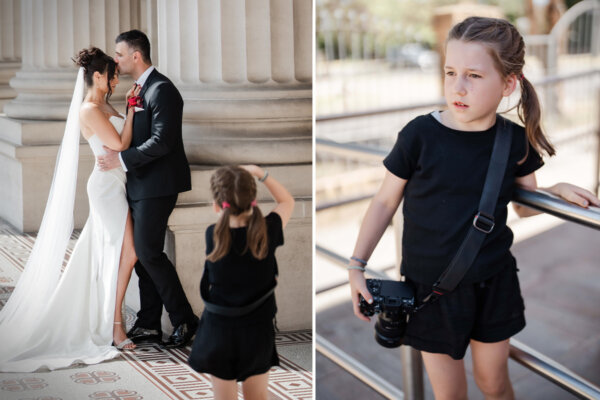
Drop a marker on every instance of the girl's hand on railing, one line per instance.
(358, 285)
(574, 194)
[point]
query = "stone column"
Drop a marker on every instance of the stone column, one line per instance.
(244, 69)
(52, 31)
(10, 46)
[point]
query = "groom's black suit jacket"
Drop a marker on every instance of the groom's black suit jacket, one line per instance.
(156, 162)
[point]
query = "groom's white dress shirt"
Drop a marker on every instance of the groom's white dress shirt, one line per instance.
(140, 81)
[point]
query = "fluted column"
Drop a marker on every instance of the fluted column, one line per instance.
(244, 69)
(10, 46)
(50, 34)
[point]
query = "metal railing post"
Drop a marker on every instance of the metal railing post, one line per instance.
(412, 364)
(597, 172)
(357, 369)
(412, 373)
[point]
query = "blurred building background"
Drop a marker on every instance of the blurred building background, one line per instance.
(378, 67)
(244, 69)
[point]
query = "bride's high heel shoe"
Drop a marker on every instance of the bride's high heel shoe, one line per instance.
(126, 342)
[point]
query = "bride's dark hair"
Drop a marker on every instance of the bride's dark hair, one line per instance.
(92, 60)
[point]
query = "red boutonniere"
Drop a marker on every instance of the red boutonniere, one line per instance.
(135, 101)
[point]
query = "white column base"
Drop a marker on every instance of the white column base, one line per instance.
(269, 124)
(28, 152)
(7, 71)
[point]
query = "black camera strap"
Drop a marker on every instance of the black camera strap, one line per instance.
(237, 311)
(483, 222)
(231, 311)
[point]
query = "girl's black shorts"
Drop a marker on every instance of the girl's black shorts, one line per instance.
(233, 352)
(488, 311)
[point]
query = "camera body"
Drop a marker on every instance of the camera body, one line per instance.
(394, 301)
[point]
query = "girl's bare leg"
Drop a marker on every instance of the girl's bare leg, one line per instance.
(256, 387)
(490, 369)
(447, 376)
(224, 389)
(126, 263)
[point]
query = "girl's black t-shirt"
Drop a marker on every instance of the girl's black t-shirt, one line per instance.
(446, 170)
(238, 279)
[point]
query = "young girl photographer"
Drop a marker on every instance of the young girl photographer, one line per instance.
(235, 340)
(438, 166)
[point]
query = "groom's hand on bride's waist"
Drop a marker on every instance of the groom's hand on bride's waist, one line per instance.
(108, 161)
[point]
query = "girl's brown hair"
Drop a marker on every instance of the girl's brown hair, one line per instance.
(237, 188)
(507, 49)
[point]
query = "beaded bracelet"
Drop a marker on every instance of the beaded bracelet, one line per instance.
(264, 178)
(363, 269)
(360, 260)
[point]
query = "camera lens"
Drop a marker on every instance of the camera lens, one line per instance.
(390, 329)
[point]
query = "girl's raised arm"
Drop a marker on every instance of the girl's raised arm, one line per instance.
(283, 198)
(379, 214)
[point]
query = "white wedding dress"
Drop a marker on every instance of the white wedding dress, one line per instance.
(75, 324)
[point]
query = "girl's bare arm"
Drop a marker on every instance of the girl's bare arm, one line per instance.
(379, 214)
(283, 198)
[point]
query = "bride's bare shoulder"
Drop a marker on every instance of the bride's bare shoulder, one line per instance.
(90, 111)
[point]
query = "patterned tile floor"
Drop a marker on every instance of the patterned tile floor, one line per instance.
(145, 373)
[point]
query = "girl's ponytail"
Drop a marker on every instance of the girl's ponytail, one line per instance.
(234, 189)
(257, 234)
(221, 237)
(530, 115)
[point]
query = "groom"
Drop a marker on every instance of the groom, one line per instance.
(157, 170)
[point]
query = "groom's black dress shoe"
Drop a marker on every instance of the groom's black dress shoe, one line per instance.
(143, 335)
(181, 335)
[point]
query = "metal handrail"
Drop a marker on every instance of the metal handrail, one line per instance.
(538, 199)
(550, 369)
(553, 205)
(358, 151)
(380, 111)
(356, 368)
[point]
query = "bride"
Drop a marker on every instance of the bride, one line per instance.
(53, 320)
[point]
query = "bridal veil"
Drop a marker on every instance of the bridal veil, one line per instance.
(43, 268)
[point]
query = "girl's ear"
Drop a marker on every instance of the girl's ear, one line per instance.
(216, 207)
(510, 84)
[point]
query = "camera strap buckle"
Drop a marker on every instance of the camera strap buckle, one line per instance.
(483, 222)
(432, 297)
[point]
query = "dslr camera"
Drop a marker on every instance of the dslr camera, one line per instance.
(394, 301)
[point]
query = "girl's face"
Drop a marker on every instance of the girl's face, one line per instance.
(473, 88)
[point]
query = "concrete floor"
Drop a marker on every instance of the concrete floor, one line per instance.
(148, 372)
